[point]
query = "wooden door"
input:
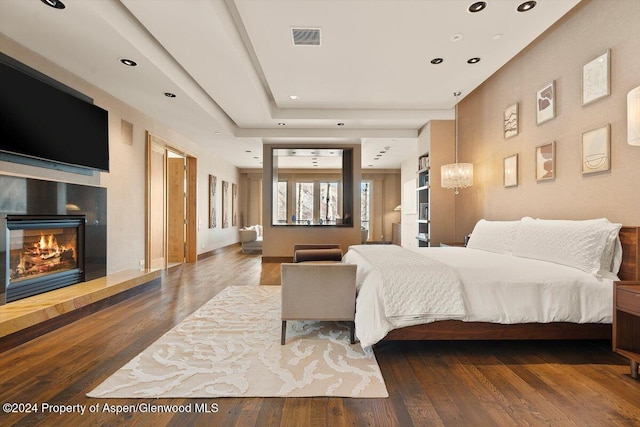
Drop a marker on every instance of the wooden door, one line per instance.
(176, 210)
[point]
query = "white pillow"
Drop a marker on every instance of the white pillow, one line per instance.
(612, 253)
(578, 244)
(494, 236)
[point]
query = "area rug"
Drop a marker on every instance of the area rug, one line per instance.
(230, 347)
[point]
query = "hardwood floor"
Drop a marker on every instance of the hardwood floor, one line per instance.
(430, 383)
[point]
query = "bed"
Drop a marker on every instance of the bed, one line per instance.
(526, 279)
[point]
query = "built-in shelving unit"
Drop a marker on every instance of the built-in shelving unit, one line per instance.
(423, 189)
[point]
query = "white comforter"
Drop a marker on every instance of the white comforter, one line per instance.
(495, 288)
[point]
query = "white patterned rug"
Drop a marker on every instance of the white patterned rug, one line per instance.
(230, 347)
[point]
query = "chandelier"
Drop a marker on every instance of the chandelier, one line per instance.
(456, 175)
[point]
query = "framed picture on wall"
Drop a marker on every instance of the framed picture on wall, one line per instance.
(511, 121)
(234, 205)
(546, 102)
(546, 162)
(596, 150)
(596, 82)
(511, 171)
(212, 201)
(225, 204)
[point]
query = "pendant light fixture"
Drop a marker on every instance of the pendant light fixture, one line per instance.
(456, 175)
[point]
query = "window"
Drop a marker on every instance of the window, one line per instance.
(328, 201)
(365, 205)
(283, 197)
(304, 201)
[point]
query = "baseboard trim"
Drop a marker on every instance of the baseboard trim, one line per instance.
(214, 252)
(267, 259)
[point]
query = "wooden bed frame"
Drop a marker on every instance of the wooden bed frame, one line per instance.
(458, 330)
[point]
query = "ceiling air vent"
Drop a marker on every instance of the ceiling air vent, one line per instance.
(306, 36)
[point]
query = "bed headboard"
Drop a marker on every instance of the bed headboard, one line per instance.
(630, 268)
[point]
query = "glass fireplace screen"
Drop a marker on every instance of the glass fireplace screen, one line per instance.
(39, 252)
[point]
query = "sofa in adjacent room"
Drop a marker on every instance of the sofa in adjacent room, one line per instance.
(251, 238)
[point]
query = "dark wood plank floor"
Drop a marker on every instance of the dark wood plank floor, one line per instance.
(430, 383)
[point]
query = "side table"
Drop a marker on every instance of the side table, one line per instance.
(626, 322)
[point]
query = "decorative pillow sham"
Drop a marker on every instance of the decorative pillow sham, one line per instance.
(578, 244)
(494, 236)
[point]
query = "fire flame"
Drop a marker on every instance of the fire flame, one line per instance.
(43, 244)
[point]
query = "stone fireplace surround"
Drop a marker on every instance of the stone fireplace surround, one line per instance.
(27, 196)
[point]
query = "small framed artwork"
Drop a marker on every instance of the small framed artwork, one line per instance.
(546, 162)
(234, 205)
(511, 171)
(596, 82)
(596, 150)
(546, 102)
(511, 121)
(225, 204)
(212, 201)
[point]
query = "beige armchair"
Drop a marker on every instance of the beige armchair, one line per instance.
(318, 291)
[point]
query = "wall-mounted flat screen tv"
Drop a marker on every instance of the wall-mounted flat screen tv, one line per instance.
(40, 121)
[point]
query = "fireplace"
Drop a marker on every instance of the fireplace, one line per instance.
(52, 234)
(45, 253)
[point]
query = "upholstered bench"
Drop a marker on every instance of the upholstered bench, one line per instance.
(318, 291)
(317, 252)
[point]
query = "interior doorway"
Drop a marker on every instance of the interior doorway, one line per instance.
(171, 202)
(176, 208)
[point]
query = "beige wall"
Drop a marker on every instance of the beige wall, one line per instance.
(125, 182)
(587, 31)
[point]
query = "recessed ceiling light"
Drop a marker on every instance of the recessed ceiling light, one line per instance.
(387, 147)
(477, 6)
(57, 4)
(473, 61)
(128, 62)
(247, 151)
(526, 6)
(294, 97)
(282, 124)
(170, 95)
(340, 124)
(437, 61)
(496, 37)
(456, 37)
(218, 133)
(256, 157)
